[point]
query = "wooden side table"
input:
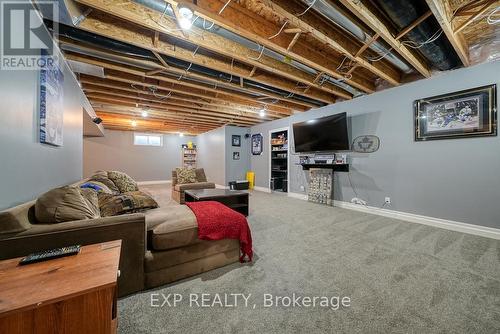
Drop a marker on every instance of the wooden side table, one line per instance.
(74, 294)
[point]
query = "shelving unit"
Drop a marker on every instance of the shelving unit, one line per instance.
(279, 160)
(189, 156)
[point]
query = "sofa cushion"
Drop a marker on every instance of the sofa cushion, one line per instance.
(66, 204)
(200, 175)
(16, 219)
(197, 185)
(170, 227)
(123, 182)
(103, 178)
(134, 201)
(186, 175)
(157, 260)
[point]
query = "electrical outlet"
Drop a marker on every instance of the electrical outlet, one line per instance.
(387, 200)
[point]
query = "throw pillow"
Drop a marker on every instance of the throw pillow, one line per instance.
(124, 182)
(97, 186)
(135, 201)
(101, 178)
(186, 175)
(66, 204)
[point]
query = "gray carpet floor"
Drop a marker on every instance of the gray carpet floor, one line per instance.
(401, 277)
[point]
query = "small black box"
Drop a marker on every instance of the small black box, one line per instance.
(238, 185)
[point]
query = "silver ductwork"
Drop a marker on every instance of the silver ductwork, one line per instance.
(339, 19)
(161, 6)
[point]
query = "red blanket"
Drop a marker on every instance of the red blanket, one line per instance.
(216, 221)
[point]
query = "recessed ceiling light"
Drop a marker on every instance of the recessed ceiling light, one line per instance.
(134, 123)
(181, 134)
(262, 113)
(185, 17)
(144, 113)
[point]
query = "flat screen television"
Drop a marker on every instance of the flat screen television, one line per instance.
(323, 134)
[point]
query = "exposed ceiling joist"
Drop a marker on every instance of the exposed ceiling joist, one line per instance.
(108, 27)
(102, 54)
(129, 80)
(362, 12)
(196, 89)
(189, 108)
(147, 18)
(443, 15)
(258, 30)
(174, 98)
(334, 40)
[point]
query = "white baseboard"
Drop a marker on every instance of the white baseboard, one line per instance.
(483, 231)
(146, 183)
(219, 186)
(263, 189)
(452, 225)
(298, 196)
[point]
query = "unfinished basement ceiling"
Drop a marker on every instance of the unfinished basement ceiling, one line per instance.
(248, 61)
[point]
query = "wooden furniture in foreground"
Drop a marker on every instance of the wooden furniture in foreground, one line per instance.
(236, 200)
(74, 294)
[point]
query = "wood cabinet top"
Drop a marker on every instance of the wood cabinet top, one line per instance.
(33, 285)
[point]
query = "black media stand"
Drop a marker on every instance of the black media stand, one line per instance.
(334, 167)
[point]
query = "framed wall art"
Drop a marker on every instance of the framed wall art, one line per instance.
(467, 113)
(236, 140)
(257, 144)
(51, 102)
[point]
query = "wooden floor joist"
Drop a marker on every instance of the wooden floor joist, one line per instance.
(362, 12)
(130, 81)
(91, 85)
(189, 108)
(145, 17)
(443, 15)
(286, 10)
(193, 88)
(258, 29)
(175, 101)
(297, 105)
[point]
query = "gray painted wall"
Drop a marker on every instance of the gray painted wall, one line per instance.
(451, 179)
(212, 155)
(116, 151)
(237, 169)
(28, 168)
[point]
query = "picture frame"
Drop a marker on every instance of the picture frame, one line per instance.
(236, 155)
(257, 144)
(461, 114)
(236, 140)
(51, 109)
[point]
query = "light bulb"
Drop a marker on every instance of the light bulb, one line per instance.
(185, 23)
(185, 18)
(134, 123)
(181, 134)
(144, 113)
(262, 113)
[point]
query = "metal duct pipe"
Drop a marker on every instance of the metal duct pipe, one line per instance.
(339, 19)
(438, 51)
(159, 5)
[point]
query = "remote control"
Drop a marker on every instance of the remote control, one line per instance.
(50, 254)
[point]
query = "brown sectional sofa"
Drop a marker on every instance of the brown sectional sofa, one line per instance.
(158, 247)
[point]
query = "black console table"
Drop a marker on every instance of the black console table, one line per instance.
(334, 167)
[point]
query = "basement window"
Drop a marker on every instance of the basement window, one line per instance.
(146, 139)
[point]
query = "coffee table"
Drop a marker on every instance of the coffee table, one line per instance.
(236, 200)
